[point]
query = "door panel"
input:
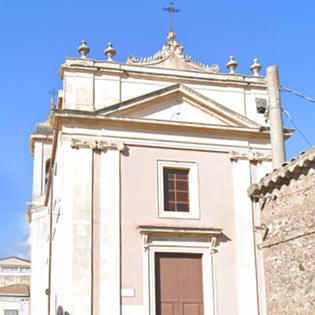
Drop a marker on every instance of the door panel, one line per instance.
(178, 279)
(167, 309)
(192, 309)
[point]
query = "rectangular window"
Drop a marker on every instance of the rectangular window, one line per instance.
(178, 189)
(10, 269)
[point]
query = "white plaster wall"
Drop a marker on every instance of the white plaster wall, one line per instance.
(39, 232)
(84, 91)
(229, 96)
(133, 310)
(132, 87)
(261, 170)
(250, 105)
(110, 232)
(244, 241)
(62, 259)
(238, 99)
(22, 304)
(71, 252)
(176, 111)
(37, 170)
(79, 91)
(42, 152)
(81, 230)
(107, 90)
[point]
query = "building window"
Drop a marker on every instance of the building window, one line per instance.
(178, 189)
(10, 269)
(11, 312)
(47, 168)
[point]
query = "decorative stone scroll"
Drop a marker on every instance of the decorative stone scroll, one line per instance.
(250, 155)
(97, 144)
(169, 49)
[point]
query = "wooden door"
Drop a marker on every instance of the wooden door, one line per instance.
(178, 282)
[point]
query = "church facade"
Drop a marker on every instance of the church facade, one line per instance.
(140, 184)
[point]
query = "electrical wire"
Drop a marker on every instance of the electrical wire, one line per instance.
(296, 127)
(282, 88)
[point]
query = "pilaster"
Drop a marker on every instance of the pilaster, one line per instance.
(245, 252)
(110, 261)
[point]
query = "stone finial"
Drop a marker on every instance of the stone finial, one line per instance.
(232, 65)
(110, 52)
(255, 67)
(83, 49)
(171, 36)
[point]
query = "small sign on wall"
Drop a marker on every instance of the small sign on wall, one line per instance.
(128, 292)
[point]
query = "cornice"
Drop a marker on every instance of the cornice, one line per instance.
(161, 74)
(152, 229)
(156, 125)
(39, 138)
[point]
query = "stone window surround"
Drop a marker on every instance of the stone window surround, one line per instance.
(194, 211)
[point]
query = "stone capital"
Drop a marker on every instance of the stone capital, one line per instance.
(250, 155)
(96, 144)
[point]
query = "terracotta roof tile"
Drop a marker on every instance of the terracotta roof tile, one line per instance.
(283, 174)
(15, 290)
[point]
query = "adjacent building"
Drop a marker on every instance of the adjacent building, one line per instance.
(140, 184)
(286, 200)
(14, 286)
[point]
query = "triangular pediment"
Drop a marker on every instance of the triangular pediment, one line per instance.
(181, 104)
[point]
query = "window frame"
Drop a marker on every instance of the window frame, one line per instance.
(193, 189)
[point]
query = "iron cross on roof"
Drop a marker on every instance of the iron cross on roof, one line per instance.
(171, 10)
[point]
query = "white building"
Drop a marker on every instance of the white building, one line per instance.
(14, 286)
(144, 168)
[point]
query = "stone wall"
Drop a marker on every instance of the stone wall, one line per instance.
(289, 246)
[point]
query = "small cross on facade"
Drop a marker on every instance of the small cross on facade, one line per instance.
(53, 92)
(171, 11)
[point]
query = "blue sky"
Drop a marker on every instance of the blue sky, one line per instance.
(36, 36)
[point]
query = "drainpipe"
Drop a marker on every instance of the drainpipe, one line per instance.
(275, 117)
(50, 236)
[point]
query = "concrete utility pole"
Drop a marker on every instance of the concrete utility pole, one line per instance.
(275, 117)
